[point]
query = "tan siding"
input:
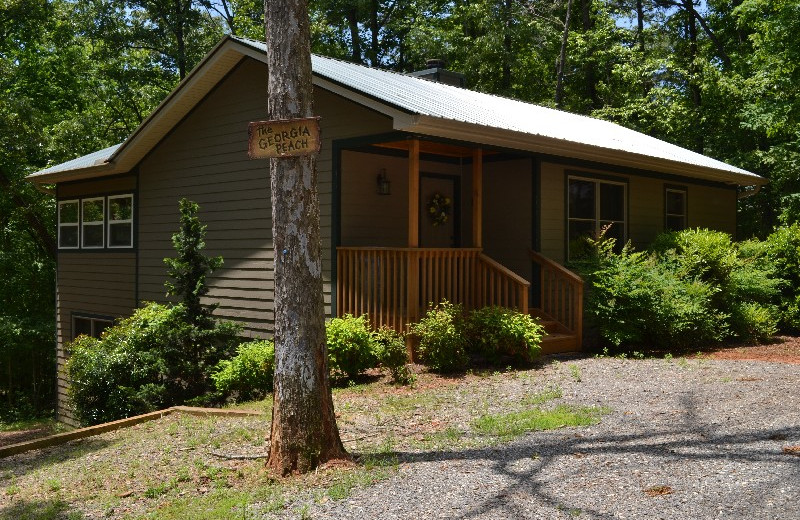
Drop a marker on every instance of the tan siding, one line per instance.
(553, 213)
(205, 159)
(507, 199)
(369, 219)
(90, 283)
(713, 208)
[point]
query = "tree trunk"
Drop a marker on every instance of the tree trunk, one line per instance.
(640, 25)
(355, 37)
(562, 58)
(588, 67)
(507, 47)
(304, 432)
(694, 73)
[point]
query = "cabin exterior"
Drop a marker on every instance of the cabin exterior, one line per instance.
(427, 191)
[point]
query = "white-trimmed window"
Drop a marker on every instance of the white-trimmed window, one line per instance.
(68, 224)
(92, 326)
(92, 222)
(675, 208)
(120, 220)
(593, 205)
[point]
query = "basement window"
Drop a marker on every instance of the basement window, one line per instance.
(91, 326)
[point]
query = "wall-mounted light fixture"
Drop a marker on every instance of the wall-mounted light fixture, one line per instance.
(384, 184)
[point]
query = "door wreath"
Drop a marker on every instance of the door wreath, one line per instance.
(439, 209)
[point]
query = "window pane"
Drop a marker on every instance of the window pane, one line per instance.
(68, 213)
(615, 230)
(676, 202)
(120, 235)
(121, 208)
(93, 235)
(675, 223)
(579, 231)
(612, 202)
(581, 199)
(93, 211)
(100, 326)
(82, 326)
(68, 236)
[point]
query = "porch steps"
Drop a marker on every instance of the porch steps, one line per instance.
(557, 339)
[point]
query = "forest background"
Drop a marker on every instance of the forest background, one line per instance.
(720, 77)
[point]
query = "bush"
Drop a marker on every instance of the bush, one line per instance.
(782, 250)
(149, 361)
(497, 333)
(350, 346)
(442, 337)
(249, 374)
(390, 347)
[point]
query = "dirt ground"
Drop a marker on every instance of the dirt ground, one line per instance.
(783, 349)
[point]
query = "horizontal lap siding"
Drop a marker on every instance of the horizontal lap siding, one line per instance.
(100, 284)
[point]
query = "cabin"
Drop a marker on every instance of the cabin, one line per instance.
(427, 191)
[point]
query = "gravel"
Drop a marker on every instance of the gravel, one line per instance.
(697, 439)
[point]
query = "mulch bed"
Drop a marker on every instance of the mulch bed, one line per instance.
(784, 349)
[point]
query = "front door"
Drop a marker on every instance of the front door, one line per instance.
(440, 211)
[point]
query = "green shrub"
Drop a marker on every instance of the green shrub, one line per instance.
(392, 354)
(498, 333)
(350, 346)
(442, 337)
(249, 374)
(151, 360)
(782, 249)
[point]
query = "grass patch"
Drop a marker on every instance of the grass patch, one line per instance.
(510, 425)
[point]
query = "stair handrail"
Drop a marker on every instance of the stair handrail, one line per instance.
(520, 284)
(568, 314)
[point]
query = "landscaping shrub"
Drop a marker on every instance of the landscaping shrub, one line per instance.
(390, 347)
(141, 364)
(782, 249)
(442, 337)
(249, 374)
(497, 333)
(350, 346)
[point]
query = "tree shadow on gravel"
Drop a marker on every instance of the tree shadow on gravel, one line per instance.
(696, 442)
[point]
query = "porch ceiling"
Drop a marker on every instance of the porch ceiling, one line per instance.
(434, 148)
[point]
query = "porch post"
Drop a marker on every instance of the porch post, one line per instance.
(412, 305)
(477, 197)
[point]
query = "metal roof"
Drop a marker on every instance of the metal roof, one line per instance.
(425, 107)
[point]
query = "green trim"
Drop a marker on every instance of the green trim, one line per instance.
(136, 273)
(113, 176)
(535, 296)
(336, 214)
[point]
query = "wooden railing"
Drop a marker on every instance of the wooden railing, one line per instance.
(395, 285)
(561, 294)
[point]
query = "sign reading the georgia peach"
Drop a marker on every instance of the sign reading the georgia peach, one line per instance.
(283, 138)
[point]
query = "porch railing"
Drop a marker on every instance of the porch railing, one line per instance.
(395, 285)
(561, 294)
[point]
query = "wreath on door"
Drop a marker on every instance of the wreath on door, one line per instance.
(439, 209)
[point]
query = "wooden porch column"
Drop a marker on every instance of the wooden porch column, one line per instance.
(477, 197)
(412, 305)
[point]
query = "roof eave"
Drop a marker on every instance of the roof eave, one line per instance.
(90, 172)
(492, 136)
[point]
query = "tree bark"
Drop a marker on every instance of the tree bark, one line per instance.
(304, 432)
(640, 25)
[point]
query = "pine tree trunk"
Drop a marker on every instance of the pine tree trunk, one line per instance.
(304, 432)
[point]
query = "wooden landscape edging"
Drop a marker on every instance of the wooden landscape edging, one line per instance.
(89, 431)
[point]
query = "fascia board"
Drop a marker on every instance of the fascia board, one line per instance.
(457, 130)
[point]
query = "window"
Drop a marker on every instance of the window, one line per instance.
(68, 224)
(90, 326)
(96, 222)
(93, 220)
(593, 206)
(120, 221)
(675, 209)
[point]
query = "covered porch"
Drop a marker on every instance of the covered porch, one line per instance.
(420, 221)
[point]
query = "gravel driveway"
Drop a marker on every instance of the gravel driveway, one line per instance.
(697, 439)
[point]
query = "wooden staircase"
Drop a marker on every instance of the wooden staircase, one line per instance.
(558, 338)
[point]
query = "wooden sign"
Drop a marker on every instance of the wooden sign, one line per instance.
(283, 138)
